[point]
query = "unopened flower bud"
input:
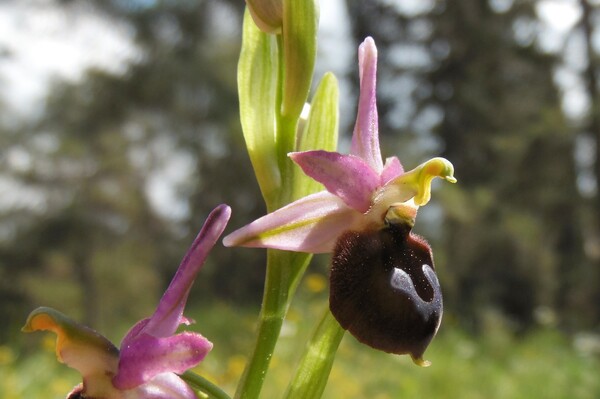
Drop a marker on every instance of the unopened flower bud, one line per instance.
(267, 14)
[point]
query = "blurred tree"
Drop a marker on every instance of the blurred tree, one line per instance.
(100, 146)
(515, 153)
(589, 130)
(592, 124)
(92, 201)
(188, 80)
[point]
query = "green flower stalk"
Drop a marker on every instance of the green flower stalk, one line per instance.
(274, 77)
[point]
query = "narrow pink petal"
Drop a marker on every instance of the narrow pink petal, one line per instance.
(164, 386)
(147, 356)
(311, 224)
(347, 176)
(392, 169)
(365, 140)
(168, 314)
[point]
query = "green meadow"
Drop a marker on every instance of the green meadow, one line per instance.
(497, 363)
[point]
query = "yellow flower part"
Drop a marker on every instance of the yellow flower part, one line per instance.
(79, 347)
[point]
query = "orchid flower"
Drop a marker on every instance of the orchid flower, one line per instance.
(360, 189)
(383, 285)
(151, 353)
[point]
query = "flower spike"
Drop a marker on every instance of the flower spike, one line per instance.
(383, 284)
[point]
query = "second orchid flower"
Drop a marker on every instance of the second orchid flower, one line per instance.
(151, 354)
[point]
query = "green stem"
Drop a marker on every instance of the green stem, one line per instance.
(313, 371)
(203, 385)
(284, 270)
(286, 126)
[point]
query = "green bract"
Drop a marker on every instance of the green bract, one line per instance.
(257, 89)
(319, 131)
(274, 78)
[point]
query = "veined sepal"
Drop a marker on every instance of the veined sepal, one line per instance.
(258, 71)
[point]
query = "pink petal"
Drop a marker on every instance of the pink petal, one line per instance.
(164, 386)
(168, 314)
(147, 356)
(347, 176)
(365, 140)
(133, 332)
(311, 224)
(392, 169)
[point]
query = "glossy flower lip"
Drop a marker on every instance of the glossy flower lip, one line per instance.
(360, 187)
(384, 290)
(151, 353)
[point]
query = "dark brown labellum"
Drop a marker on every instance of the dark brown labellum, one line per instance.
(384, 290)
